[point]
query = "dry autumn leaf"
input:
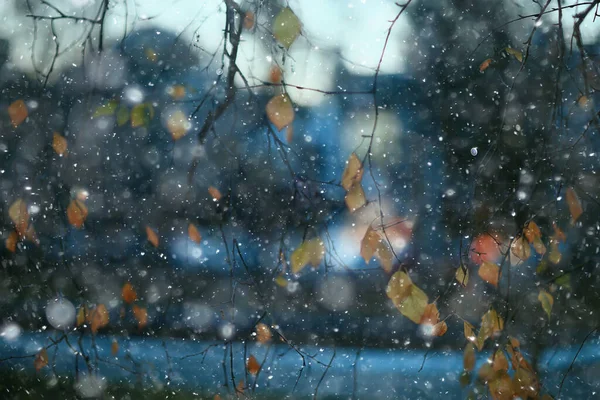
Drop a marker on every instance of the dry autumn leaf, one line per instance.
(532, 232)
(11, 241)
(128, 293)
(41, 359)
(491, 324)
(275, 74)
(59, 144)
(286, 27)
(410, 300)
(141, 315)
(249, 20)
(501, 387)
(546, 300)
(355, 198)
(515, 53)
(280, 111)
(499, 361)
(194, 234)
(178, 124)
(98, 318)
(214, 193)
(263, 333)
(152, 236)
(521, 249)
(490, 273)
(574, 204)
(462, 276)
(252, 365)
(81, 316)
(17, 112)
(353, 172)
(484, 65)
(177, 92)
(77, 213)
(369, 243)
(469, 357)
(114, 347)
(468, 331)
(310, 251)
(19, 216)
(289, 133)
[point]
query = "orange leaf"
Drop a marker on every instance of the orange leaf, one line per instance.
(98, 318)
(249, 20)
(20, 216)
(114, 347)
(194, 234)
(263, 333)
(17, 112)
(275, 74)
(532, 232)
(252, 365)
(431, 315)
(485, 247)
(178, 124)
(469, 357)
(59, 144)
(11, 241)
(574, 204)
(214, 193)
(353, 172)
(240, 387)
(177, 92)
(490, 273)
(81, 316)
(439, 329)
(484, 65)
(77, 213)
(141, 316)
(280, 111)
(559, 235)
(128, 293)
(41, 359)
(152, 236)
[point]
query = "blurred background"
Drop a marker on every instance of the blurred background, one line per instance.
(485, 114)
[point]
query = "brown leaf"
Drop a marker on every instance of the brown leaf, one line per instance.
(490, 273)
(19, 216)
(178, 124)
(81, 316)
(128, 293)
(385, 256)
(399, 287)
(574, 204)
(410, 300)
(263, 333)
(310, 251)
(280, 111)
(249, 20)
(484, 65)
(98, 318)
(439, 329)
(462, 275)
(77, 213)
(289, 133)
(532, 232)
(353, 172)
(526, 384)
(491, 324)
(194, 234)
(355, 198)
(17, 112)
(11, 241)
(469, 334)
(214, 193)
(521, 249)
(152, 236)
(499, 361)
(501, 387)
(41, 359)
(59, 144)
(559, 235)
(114, 347)
(469, 357)
(275, 74)
(177, 92)
(141, 315)
(431, 315)
(369, 243)
(252, 365)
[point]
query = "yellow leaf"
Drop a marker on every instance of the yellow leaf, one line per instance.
(11, 241)
(141, 315)
(178, 124)
(281, 281)
(369, 243)
(462, 275)
(310, 251)
(122, 116)
(286, 27)
(574, 204)
(19, 216)
(59, 144)
(484, 65)
(194, 234)
(280, 111)
(521, 249)
(81, 316)
(469, 357)
(499, 361)
(491, 324)
(252, 365)
(355, 198)
(41, 359)
(515, 53)
(214, 193)
(141, 114)
(353, 172)
(151, 55)
(98, 318)
(546, 300)
(152, 236)
(114, 347)
(469, 334)
(399, 287)
(489, 272)
(263, 333)
(106, 109)
(17, 112)
(414, 305)
(128, 293)
(77, 213)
